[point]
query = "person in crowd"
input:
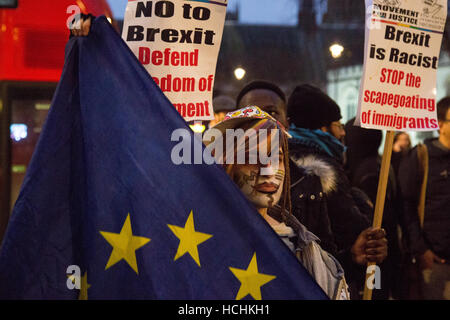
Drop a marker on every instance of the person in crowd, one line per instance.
(428, 230)
(222, 104)
(313, 180)
(363, 170)
(264, 190)
(306, 187)
(267, 96)
(316, 133)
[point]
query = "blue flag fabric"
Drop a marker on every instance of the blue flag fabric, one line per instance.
(102, 194)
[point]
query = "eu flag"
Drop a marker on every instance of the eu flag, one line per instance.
(104, 213)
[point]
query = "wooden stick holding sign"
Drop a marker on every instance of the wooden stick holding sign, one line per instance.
(379, 205)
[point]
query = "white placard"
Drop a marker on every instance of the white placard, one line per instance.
(402, 46)
(178, 42)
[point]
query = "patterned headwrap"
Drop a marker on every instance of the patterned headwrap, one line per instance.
(253, 117)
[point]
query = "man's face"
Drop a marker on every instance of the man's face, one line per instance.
(263, 191)
(444, 129)
(268, 101)
(336, 128)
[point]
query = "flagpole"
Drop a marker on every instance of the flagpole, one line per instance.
(381, 196)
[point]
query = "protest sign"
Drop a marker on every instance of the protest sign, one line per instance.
(178, 42)
(402, 45)
(398, 89)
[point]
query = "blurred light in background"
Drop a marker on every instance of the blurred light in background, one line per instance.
(336, 50)
(239, 73)
(197, 127)
(19, 131)
(42, 106)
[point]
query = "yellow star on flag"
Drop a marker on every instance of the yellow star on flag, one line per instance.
(251, 280)
(124, 245)
(189, 239)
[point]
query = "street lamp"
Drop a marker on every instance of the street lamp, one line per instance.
(336, 50)
(239, 73)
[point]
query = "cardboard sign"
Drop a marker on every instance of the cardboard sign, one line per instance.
(402, 46)
(178, 42)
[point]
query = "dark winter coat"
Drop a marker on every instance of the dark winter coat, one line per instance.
(332, 200)
(309, 202)
(346, 220)
(436, 229)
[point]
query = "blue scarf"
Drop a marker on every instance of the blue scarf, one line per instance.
(319, 140)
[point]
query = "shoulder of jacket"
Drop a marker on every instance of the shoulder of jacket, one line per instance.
(312, 164)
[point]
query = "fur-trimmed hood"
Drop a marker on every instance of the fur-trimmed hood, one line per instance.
(314, 165)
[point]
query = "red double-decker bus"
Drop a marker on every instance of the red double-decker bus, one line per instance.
(33, 35)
